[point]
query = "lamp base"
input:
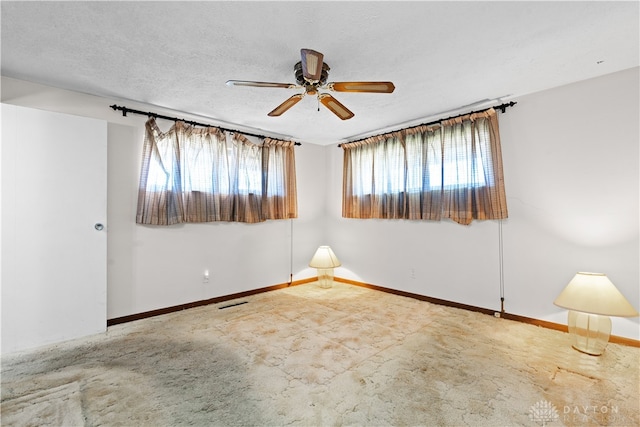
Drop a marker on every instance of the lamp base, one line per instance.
(589, 332)
(325, 277)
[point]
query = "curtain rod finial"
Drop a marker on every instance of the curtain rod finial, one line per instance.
(123, 109)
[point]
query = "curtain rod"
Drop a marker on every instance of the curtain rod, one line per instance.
(126, 110)
(501, 107)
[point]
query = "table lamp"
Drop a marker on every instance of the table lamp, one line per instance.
(325, 261)
(591, 298)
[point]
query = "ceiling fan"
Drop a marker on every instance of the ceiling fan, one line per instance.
(311, 74)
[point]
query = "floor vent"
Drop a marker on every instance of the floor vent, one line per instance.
(232, 305)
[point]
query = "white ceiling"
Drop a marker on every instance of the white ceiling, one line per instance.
(441, 56)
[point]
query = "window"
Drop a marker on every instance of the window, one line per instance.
(203, 175)
(452, 169)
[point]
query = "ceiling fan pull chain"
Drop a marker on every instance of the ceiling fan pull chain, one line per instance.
(318, 98)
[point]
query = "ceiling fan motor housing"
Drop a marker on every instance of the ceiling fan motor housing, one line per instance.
(297, 69)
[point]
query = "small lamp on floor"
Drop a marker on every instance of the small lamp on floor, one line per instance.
(325, 261)
(591, 298)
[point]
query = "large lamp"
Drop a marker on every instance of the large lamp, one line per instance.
(325, 261)
(591, 298)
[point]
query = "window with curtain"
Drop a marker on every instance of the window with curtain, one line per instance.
(449, 170)
(194, 174)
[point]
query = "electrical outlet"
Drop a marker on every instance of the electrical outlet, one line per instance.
(205, 277)
(412, 273)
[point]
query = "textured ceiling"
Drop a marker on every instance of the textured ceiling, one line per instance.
(442, 56)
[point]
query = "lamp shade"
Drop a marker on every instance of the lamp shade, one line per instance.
(324, 258)
(594, 293)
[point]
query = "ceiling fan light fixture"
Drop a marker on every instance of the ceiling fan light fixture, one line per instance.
(311, 73)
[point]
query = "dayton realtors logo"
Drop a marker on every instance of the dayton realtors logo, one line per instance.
(545, 412)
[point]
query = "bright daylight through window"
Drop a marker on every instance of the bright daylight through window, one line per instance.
(194, 174)
(452, 169)
(198, 174)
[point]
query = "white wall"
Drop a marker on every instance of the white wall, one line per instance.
(553, 179)
(571, 163)
(572, 172)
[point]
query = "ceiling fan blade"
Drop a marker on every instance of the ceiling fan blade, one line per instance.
(372, 87)
(261, 84)
(286, 105)
(311, 64)
(336, 107)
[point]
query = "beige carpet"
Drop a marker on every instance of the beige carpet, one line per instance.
(56, 406)
(307, 356)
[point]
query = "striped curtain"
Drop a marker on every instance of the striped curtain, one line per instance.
(452, 169)
(191, 174)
